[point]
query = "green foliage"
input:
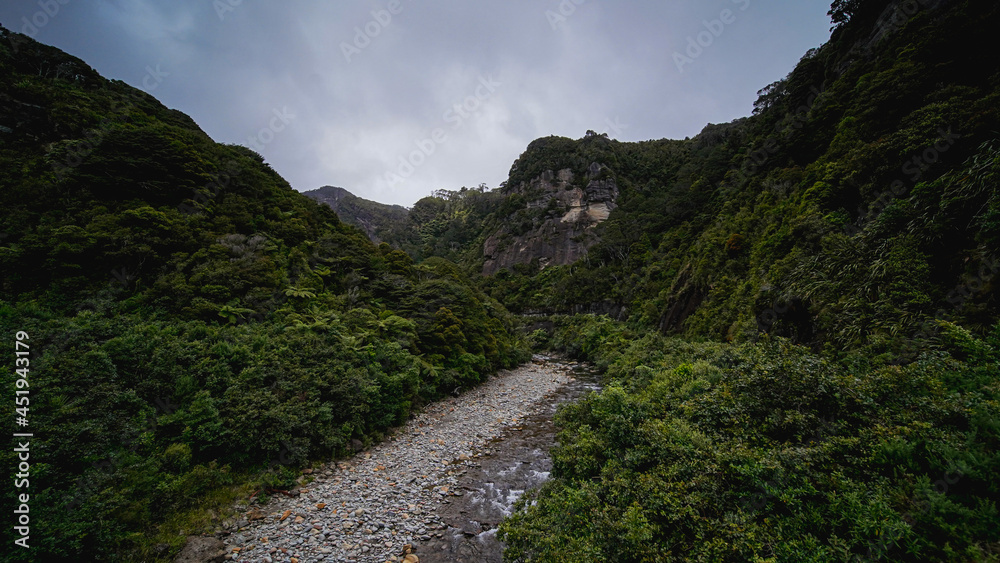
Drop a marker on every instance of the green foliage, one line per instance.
(848, 211)
(767, 452)
(196, 325)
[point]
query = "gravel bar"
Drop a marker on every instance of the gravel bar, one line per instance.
(376, 506)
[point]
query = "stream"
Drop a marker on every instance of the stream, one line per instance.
(517, 461)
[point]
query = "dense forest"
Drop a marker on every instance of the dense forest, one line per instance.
(804, 364)
(808, 364)
(198, 330)
(802, 361)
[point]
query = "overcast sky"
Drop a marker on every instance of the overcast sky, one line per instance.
(392, 99)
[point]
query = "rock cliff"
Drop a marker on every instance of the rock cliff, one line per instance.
(555, 222)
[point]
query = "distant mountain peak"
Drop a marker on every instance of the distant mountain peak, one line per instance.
(371, 217)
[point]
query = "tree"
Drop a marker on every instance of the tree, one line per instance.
(843, 11)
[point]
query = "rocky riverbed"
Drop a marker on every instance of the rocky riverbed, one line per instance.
(433, 491)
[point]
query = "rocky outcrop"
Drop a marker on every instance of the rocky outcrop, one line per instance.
(202, 550)
(555, 226)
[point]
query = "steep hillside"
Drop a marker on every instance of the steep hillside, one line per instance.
(855, 212)
(197, 330)
(876, 156)
(377, 220)
(802, 357)
(555, 226)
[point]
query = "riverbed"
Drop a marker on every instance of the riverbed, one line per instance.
(518, 461)
(434, 491)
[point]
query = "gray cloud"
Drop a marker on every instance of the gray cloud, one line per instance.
(553, 66)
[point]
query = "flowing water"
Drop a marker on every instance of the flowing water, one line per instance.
(488, 489)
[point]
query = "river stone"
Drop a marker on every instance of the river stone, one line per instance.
(401, 485)
(202, 550)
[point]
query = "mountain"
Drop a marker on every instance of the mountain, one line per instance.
(555, 225)
(873, 156)
(371, 217)
(194, 328)
(796, 312)
(804, 336)
(808, 370)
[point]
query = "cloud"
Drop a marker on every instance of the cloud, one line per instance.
(357, 116)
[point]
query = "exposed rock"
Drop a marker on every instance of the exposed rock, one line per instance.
(255, 514)
(381, 501)
(202, 550)
(556, 225)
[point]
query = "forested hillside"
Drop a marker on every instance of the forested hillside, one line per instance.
(198, 330)
(844, 239)
(375, 219)
(856, 204)
(801, 342)
(806, 367)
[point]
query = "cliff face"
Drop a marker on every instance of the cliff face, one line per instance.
(555, 223)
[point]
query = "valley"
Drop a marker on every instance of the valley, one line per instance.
(790, 321)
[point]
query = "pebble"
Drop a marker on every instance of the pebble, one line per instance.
(374, 506)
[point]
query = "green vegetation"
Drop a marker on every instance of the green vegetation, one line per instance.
(199, 331)
(827, 268)
(806, 369)
(767, 452)
(855, 207)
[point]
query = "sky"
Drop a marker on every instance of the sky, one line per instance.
(393, 99)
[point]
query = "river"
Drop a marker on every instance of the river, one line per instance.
(517, 461)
